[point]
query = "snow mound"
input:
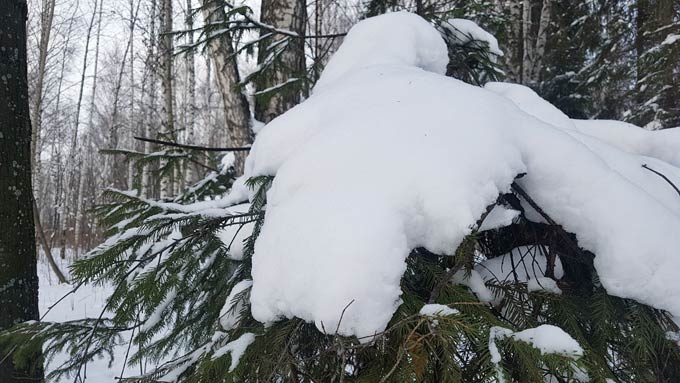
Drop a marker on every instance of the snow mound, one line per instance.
(465, 30)
(660, 144)
(389, 157)
(531, 103)
(398, 38)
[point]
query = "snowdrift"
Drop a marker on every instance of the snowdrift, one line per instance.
(388, 154)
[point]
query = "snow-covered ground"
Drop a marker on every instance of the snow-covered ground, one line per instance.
(88, 301)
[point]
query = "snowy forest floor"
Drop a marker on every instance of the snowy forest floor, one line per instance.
(88, 301)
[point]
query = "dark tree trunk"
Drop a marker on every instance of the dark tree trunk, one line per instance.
(18, 275)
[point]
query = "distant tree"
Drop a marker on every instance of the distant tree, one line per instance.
(18, 275)
(236, 107)
(167, 116)
(284, 56)
(657, 46)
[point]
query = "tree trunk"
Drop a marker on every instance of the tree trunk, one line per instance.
(74, 163)
(151, 67)
(290, 15)
(46, 246)
(18, 269)
(527, 44)
(541, 41)
(59, 220)
(45, 29)
(514, 52)
(191, 86)
(236, 108)
(167, 118)
(131, 113)
(80, 199)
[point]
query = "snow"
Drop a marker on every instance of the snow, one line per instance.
(660, 144)
(229, 314)
(465, 30)
(156, 316)
(550, 340)
(394, 39)
(531, 103)
(234, 235)
(670, 39)
(388, 155)
(474, 281)
(498, 217)
(530, 263)
(237, 348)
(434, 310)
(86, 302)
(543, 284)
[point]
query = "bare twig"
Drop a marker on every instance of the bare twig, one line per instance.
(194, 147)
(342, 315)
(662, 176)
(574, 246)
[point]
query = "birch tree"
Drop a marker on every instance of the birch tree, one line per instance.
(236, 109)
(81, 180)
(289, 15)
(46, 19)
(167, 118)
(151, 68)
(191, 88)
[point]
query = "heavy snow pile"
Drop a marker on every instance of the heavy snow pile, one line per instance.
(659, 144)
(388, 155)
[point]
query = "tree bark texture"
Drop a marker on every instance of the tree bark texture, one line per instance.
(18, 275)
(288, 15)
(236, 109)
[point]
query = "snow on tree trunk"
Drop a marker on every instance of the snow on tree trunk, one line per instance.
(236, 108)
(289, 15)
(18, 274)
